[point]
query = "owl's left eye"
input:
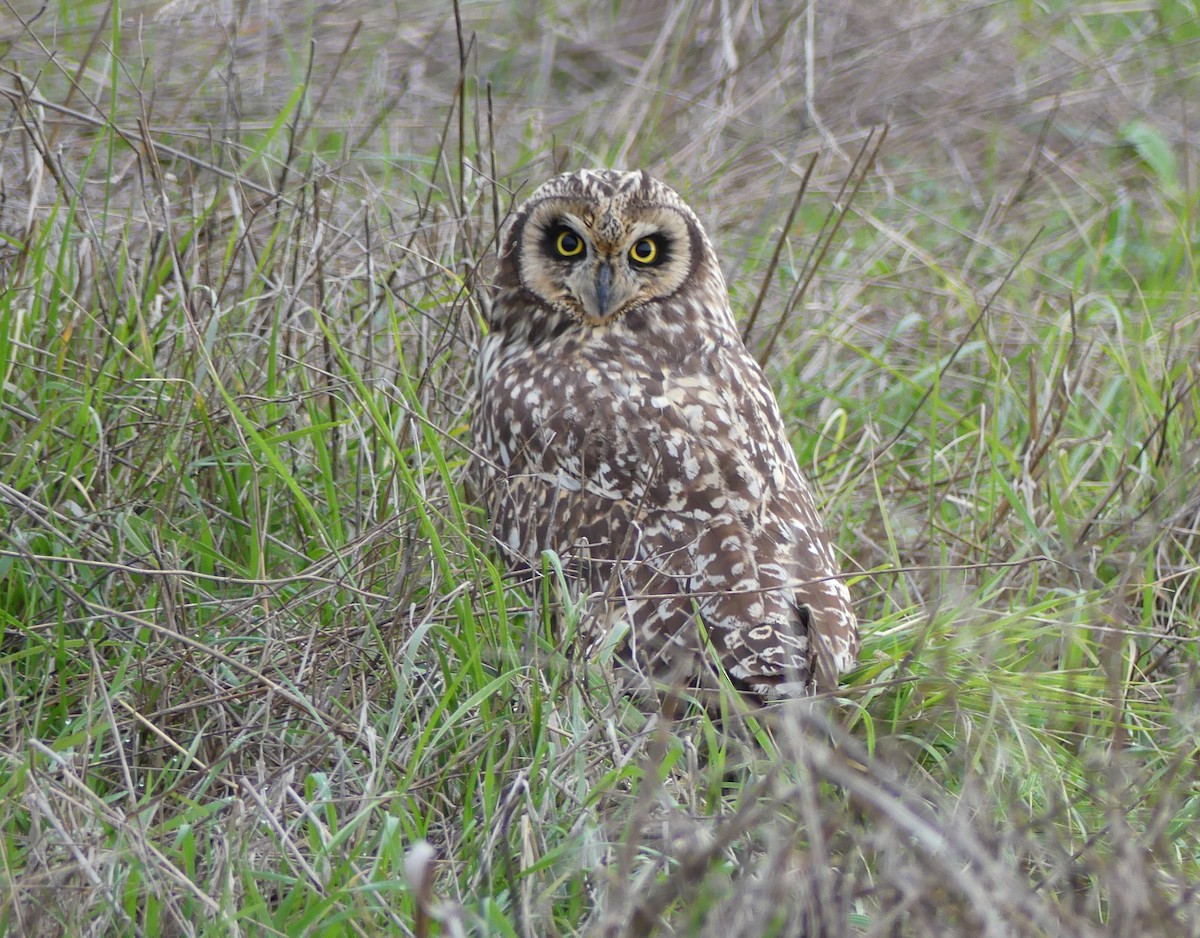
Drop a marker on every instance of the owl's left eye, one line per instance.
(644, 251)
(568, 244)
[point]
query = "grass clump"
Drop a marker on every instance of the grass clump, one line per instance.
(261, 672)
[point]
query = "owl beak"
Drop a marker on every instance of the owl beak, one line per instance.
(604, 279)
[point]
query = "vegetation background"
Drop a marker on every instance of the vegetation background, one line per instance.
(260, 672)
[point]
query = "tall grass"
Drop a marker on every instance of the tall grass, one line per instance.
(262, 673)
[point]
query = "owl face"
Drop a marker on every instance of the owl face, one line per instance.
(596, 244)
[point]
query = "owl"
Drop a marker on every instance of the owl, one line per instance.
(622, 424)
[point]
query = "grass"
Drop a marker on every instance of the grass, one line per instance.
(261, 672)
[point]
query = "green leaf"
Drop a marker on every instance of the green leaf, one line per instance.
(1156, 152)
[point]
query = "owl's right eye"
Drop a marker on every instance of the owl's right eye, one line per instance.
(568, 244)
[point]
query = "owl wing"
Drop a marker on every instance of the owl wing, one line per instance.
(760, 566)
(671, 489)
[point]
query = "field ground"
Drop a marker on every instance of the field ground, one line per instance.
(261, 674)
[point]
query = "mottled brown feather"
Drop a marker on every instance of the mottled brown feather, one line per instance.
(642, 443)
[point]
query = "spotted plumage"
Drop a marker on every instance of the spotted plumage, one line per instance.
(622, 424)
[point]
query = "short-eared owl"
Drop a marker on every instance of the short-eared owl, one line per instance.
(622, 424)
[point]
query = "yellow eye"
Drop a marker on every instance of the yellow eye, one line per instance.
(645, 251)
(569, 244)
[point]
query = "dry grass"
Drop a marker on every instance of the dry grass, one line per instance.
(261, 673)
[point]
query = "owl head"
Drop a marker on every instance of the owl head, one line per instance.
(595, 245)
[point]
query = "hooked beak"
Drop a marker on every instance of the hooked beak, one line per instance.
(604, 279)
